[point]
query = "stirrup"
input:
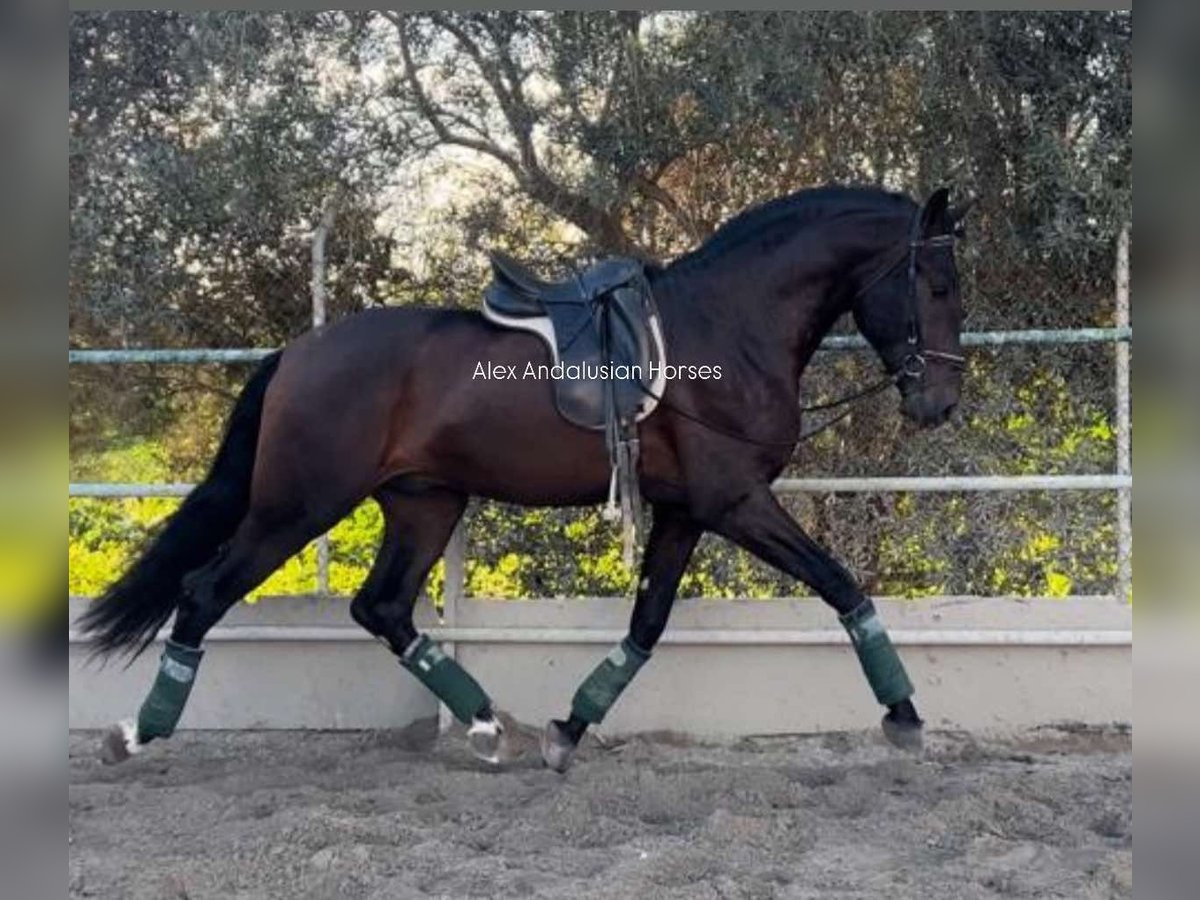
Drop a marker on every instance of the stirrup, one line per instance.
(611, 512)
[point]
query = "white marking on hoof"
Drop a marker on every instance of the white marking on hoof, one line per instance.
(486, 737)
(120, 742)
(557, 749)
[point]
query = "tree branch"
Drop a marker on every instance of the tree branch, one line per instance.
(656, 192)
(602, 225)
(433, 114)
(629, 20)
(509, 96)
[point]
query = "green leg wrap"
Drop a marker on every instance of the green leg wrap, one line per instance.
(164, 705)
(601, 689)
(449, 681)
(880, 662)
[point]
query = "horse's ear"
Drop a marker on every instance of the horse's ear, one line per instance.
(956, 215)
(933, 213)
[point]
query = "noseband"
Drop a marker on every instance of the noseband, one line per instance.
(914, 363)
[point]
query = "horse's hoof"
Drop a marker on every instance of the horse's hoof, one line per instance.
(487, 739)
(119, 742)
(557, 747)
(905, 734)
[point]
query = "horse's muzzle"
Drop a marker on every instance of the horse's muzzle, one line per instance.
(930, 406)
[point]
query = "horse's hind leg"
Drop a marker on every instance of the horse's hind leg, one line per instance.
(257, 548)
(418, 522)
(673, 536)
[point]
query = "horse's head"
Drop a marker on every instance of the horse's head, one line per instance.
(909, 308)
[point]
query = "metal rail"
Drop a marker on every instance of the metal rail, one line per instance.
(186, 357)
(882, 484)
(198, 356)
(1123, 334)
(954, 483)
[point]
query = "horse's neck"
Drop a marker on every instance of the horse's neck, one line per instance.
(777, 309)
(732, 312)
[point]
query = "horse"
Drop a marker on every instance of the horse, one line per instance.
(386, 404)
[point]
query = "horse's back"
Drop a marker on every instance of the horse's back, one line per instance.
(327, 411)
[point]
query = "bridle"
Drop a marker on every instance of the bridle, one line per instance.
(914, 363)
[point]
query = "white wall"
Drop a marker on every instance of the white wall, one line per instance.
(725, 667)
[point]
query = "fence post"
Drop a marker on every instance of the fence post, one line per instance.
(1124, 427)
(452, 592)
(317, 285)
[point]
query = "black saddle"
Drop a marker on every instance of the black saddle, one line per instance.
(604, 316)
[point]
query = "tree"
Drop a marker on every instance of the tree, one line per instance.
(205, 149)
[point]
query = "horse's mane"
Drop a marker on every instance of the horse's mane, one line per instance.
(790, 213)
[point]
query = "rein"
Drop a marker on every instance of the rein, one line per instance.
(869, 391)
(912, 366)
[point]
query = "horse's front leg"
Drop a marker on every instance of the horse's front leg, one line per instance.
(672, 538)
(759, 524)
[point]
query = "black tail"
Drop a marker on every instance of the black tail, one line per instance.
(132, 610)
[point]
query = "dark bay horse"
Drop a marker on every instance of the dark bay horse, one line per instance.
(385, 404)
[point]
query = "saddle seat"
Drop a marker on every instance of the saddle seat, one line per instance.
(526, 292)
(604, 316)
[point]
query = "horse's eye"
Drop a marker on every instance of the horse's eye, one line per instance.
(939, 289)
